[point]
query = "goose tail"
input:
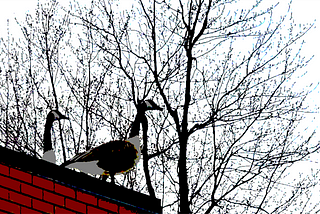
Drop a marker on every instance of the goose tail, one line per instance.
(49, 156)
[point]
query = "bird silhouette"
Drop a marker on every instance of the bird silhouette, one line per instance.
(48, 153)
(117, 156)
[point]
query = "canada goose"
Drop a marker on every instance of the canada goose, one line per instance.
(48, 153)
(115, 156)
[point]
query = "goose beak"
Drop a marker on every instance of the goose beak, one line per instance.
(158, 108)
(64, 117)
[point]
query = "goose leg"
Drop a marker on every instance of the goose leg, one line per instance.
(104, 177)
(112, 178)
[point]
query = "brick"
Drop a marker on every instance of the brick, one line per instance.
(59, 210)
(9, 207)
(23, 176)
(43, 183)
(4, 170)
(4, 193)
(89, 199)
(93, 210)
(25, 210)
(107, 205)
(20, 199)
(42, 206)
(53, 198)
(10, 183)
(31, 190)
(64, 190)
(75, 205)
(123, 210)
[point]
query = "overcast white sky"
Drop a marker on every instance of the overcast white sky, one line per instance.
(304, 11)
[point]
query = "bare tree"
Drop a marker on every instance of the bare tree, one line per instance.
(44, 34)
(90, 78)
(14, 130)
(32, 77)
(225, 77)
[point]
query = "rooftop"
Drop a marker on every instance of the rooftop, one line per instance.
(80, 181)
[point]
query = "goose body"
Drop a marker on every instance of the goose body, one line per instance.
(115, 156)
(109, 158)
(48, 152)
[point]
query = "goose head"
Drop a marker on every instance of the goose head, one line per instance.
(55, 115)
(49, 154)
(148, 105)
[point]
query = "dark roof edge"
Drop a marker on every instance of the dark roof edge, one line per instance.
(81, 181)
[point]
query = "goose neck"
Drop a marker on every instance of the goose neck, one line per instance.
(135, 128)
(47, 136)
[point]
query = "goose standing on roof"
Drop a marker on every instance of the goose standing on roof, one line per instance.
(115, 156)
(48, 152)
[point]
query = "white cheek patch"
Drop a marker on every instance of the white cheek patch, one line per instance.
(148, 104)
(56, 115)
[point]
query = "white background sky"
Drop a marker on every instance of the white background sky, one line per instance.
(304, 11)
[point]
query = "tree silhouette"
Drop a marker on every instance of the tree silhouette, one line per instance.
(226, 78)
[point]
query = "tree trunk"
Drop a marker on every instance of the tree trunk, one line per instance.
(183, 176)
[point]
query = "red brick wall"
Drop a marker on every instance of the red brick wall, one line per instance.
(22, 192)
